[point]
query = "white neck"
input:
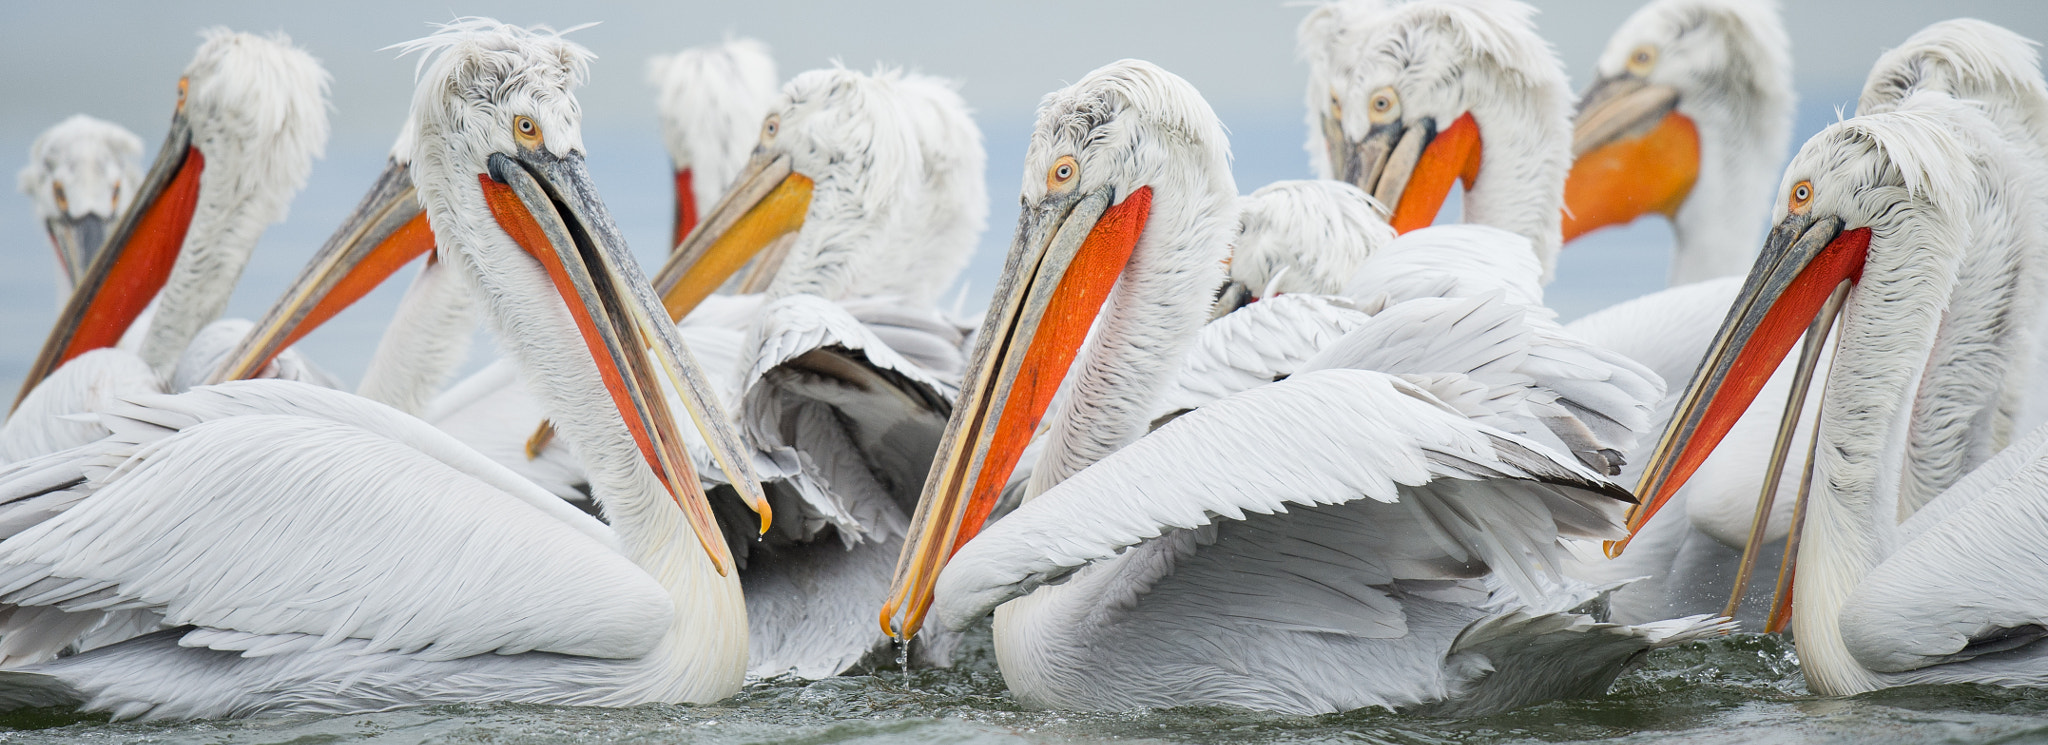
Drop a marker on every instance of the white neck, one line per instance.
(1719, 228)
(1144, 329)
(1921, 361)
(1525, 155)
(428, 338)
(704, 651)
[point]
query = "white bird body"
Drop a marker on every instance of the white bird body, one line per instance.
(376, 561)
(1286, 547)
(1945, 219)
(75, 175)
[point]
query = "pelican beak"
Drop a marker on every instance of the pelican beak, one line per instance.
(548, 205)
(1069, 251)
(686, 208)
(135, 262)
(765, 205)
(1233, 296)
(1803, 262)
(1412, 166)
(387, 230)
(76, 240)
(1632, 154)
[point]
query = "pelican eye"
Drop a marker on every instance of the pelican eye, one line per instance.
(1336, 106)
(1383, 107)
(526, 131)
(184, 85)
(57, 190)
(1060, 176)
(1802, 197)
(116, 198)
(1642, 60)
(770, 128)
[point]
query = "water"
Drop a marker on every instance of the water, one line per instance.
(1743, 689)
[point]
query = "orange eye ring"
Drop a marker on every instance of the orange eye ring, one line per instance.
(184, 86)
(1383, 107)
(1802, 198)
(1642, 60)
(526, 131)
(1063, 173)
(57, 191)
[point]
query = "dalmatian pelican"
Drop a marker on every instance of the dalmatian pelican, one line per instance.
(1689, 118)
(250, 117)
(75, 174)
(375, 562)
(1914, 229)
(1285, 548)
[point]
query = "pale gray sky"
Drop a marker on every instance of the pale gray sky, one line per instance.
(120, 61)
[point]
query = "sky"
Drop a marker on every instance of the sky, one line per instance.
(121, 61)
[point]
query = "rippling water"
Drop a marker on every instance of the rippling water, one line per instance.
(1743, 689)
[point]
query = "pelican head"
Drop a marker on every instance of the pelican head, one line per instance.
(1693, 99)
(1881, 209)
(839, 182)
(711, 101)
(1127, 185)
(500, 172)
(1301, 236)
(1420, 95)
(251, 115)
(75, 174)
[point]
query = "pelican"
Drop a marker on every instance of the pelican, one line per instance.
(1689, 117)
(711, 99)
(1992, 66)
(1301, 236)
(251, 116)
(1140, 571)
(1922, 222)
(376, 562)
(1998, 70)
(861, 203)
(75, 174)
(1480, 66)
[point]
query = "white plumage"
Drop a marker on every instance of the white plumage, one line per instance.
(1340, 539)
(1923, 359)
(256, 112)
(330, 554)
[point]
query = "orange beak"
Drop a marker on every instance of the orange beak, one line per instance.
(765, 207)
(136, 262)
(1069, 251)
(1803, 262)
(1411, 167)
(387, 230)
(548, 206)
(1633, 154)
(686, 208)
